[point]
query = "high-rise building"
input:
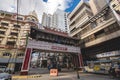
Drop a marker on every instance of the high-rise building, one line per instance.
(54, 20)
(97, 5)
(57, 20)
(44, 19)
(14, 30)
(49, 20)
(61, 19)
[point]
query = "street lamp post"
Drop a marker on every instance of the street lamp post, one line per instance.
(77, 70)
(78, 76)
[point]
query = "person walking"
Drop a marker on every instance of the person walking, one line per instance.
(117, 70)
(111, 71)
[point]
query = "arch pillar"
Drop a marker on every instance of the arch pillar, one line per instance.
(26, 61)
(80, 60)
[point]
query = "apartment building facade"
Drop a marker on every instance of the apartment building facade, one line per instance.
(99, 35)
(14, 30)
(78, 17)
(115, 5)
(47, 20)
(97, 5)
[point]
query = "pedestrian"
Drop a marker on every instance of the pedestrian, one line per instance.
(117, 70)
(112, 71)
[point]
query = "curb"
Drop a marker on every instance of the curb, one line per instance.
(34, 76)
(29, 76)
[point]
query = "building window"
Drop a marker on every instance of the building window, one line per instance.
(19, 18)
(72, 23)
(113, 5)
(28, 18)
(22, 42)
(100, 34)
(6, 54)
(16, 26)
(74, 29)
(2, 14)
(14, 34)
(72, 17)
(8, 15)
(33, 19)
(20, 54)
(1, 38)
(11, 43)
(4, 24)
(118, 12)
(2, 32)
(93, 25)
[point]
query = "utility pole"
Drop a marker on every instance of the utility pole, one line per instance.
(17, 40)
(78, 76)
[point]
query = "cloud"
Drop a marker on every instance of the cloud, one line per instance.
(6, 5)
(40, 6)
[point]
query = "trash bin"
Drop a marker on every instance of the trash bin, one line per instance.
(53, 72)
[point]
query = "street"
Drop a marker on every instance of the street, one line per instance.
(66, 75)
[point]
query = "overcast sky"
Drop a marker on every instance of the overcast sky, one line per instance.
(40, 6)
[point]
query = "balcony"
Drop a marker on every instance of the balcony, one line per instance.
(14, 34)
(10, 44)
(4, 25)
(22, 47)
(20, 55)
(2, 29)
(1, 39)
(2, 33)
(23, 37)
(17, 27)
(14, 31)
(98, 28)
(78, 13)
(11, 39)
(11, 36)
(26, 29)
(102, 39)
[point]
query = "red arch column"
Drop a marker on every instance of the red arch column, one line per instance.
(77, 61)
(80, 60)
(74, 59)
(26, 61)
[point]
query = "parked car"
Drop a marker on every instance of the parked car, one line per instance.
(5, 76)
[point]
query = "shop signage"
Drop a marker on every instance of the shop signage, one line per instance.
(108, 54)
(52, 46)
(59, 48)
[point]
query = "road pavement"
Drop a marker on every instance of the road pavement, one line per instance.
(65, 75)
